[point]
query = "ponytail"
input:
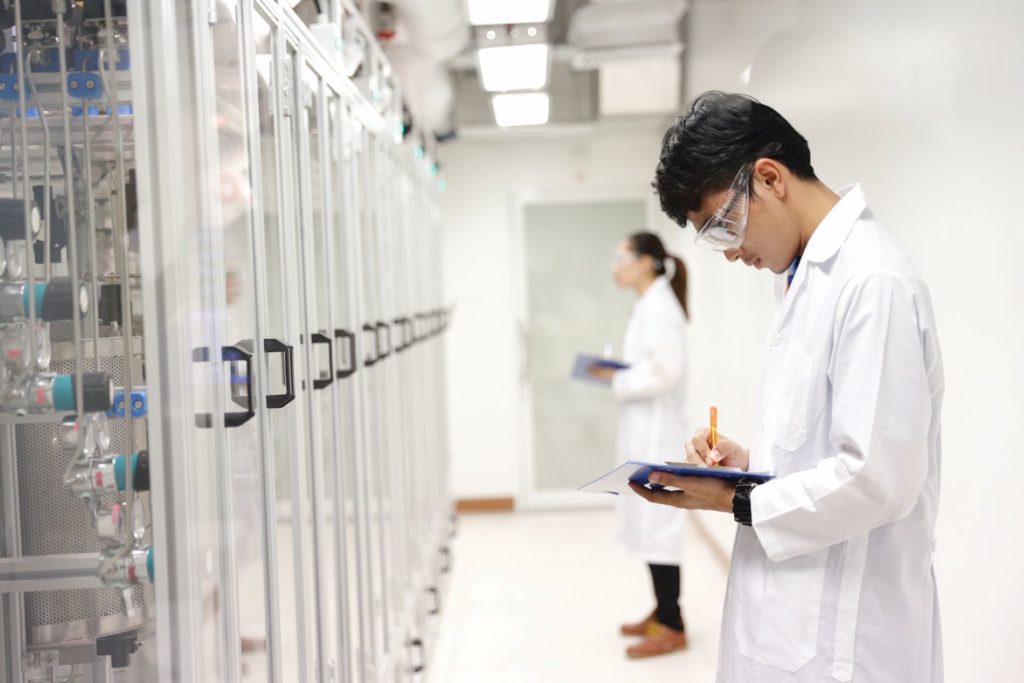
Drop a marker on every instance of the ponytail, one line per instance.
(649, 244)
(678, 283)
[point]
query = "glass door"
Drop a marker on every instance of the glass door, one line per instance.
(572, 306)
(242, 432)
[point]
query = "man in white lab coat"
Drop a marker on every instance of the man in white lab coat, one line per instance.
(831, 575)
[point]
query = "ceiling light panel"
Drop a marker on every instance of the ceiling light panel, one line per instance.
(485, 12)
(521, 109)
(515, 67)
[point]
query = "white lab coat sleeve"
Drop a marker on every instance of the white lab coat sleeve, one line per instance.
(660, 369)
(881, 410)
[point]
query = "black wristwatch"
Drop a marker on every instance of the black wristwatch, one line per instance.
(741, 501)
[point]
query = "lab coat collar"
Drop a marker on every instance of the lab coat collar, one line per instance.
(834, 229)
(660, 282)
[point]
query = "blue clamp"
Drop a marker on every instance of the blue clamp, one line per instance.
(9, 87)
(85, 85)
(140, 404)
(50, 62)
(93, 110)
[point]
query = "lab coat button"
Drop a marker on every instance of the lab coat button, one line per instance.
(776, 339)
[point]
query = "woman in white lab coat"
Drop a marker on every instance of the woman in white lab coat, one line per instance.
(653, 425)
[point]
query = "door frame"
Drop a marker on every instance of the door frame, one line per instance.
(528, 497)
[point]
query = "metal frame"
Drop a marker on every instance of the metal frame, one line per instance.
(162, 166)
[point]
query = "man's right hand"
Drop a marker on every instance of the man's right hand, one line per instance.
(727, 453)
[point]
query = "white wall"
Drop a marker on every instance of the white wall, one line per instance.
(921, 101)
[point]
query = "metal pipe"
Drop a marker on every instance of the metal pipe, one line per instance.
(13, 605)
(69, 197)
(107, 63)
(26, 199)
(49, 572)
(14, 154)
(91, 214)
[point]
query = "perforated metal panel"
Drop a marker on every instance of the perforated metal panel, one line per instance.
(54, 522)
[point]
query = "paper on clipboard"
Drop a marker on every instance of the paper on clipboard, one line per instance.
(617, 481)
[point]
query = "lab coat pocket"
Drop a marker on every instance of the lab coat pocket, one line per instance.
(788, 604)
(793, 401)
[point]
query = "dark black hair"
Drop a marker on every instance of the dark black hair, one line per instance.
(705, 147)
(649, 244)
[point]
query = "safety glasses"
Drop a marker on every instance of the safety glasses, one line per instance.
(725, 228)
(621, 258)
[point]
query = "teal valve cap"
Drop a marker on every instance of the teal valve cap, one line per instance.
(140, 471)
(57, 299)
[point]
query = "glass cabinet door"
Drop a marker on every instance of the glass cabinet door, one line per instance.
(296, 453)
(342, 461)
(353, 463)
(315, 245)
(245, 489)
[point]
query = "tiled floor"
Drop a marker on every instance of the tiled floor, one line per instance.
(538, 597)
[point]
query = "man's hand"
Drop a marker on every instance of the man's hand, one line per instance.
(696, 493)
(727, 452)
(601, 372)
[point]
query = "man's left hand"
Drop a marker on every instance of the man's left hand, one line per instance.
(696, 493)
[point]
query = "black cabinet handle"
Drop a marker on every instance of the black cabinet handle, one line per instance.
(418, 644)
(406, 339)
(241, 385)
(353, 364)
(325, 378)
(446, 555)
(381, 355)
(369, 361)
(288, 368)
(436, 609)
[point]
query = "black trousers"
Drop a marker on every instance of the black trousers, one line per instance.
(668, 581)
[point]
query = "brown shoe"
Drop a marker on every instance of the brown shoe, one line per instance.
(639, 628)
(658, 640)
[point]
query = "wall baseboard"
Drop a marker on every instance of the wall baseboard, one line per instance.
(485, 505)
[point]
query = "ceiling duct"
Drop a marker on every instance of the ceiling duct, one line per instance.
(430, 32)
(603, 33)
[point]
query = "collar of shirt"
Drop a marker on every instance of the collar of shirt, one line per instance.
(660, 282)
(833, 230)
(651, 293)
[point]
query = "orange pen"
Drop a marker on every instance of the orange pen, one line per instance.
(714, 427)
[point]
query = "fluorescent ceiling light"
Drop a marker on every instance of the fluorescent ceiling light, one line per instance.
(483, 12)
(515, 67)
(521, 109)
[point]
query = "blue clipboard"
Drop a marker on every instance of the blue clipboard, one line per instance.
(617, 481)
(585, 362)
